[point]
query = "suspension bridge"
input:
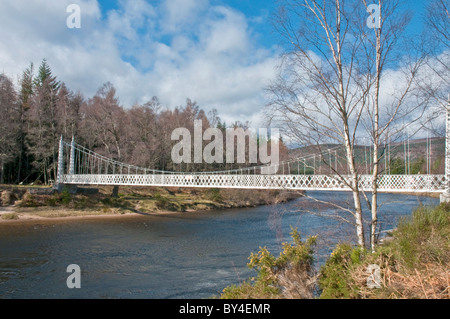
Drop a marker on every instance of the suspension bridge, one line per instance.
(78, 165)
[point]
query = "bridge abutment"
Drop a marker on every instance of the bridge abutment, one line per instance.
(58, 186)
(445, 198)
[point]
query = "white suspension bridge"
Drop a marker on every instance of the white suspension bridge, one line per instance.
(86, 167)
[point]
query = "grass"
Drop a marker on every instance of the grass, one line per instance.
(10, 216)
(414, 265)
(425, 237)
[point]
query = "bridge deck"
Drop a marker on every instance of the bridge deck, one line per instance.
(386, 183)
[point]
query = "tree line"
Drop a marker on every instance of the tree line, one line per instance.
(34, 116)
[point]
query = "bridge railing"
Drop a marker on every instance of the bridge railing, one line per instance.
(386, 183)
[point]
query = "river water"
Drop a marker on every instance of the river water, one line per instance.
(176, 256)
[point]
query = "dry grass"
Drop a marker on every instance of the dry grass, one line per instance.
(433, 282)
(399, 282)
(296, 283)
(416, 264)
(10, 216)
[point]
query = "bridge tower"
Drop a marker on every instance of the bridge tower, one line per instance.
(445, 197)
(59, 179)
(72, 157)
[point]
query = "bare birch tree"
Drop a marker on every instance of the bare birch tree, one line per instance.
(437, 22)
(314, 98)
(333, 78)
(437, 32)
(385, 45)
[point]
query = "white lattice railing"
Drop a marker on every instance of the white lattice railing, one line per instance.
(386, 183)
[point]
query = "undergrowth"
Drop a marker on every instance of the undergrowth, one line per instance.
(290, 275)
(414, 265)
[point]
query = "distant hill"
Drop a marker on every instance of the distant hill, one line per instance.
(395, 157)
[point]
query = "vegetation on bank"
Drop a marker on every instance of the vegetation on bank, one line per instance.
(44, 202)
(415, 263)
(289, 275)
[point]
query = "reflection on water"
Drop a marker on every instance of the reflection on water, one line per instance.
(191, 255)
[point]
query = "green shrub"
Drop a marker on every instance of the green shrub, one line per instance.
(424, 236)
(421, 242)
(419, 253)
(112, 202)
(83, 203)
(164, 203)
(52, 201)
(296, 257)
(215, 195)
(249, 290)
(335, 280)
(28, 200)
(65, 197)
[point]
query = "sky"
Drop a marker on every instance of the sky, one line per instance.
(219, 53)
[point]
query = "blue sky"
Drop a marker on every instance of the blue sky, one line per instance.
(220, 53)
(257, 11)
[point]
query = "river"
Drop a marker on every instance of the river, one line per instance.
(176, 256)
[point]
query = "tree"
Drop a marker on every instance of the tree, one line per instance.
(9, 123)
(437, 82)
(314, 98)
(42, 135)
(25, 99)
(144, 133)
(104, 123)
(68, 111)
(332, 79)
(386, 47)
(437, 21)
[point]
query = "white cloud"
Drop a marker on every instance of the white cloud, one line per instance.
(226, 33)
(132, 17)
(179, 14)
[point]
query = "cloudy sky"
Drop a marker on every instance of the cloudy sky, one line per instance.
(219, 53)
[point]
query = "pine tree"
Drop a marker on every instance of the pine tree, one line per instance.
(45, 77)
(25, 97)
(42, 134)
(9, 120)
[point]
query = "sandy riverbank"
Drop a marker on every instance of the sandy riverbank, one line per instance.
(48, 214)
(28, 206)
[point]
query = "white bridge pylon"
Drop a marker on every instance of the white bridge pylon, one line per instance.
(86, 167)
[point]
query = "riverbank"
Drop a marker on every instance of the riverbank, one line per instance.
(40, 203)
